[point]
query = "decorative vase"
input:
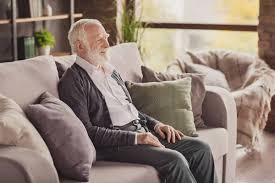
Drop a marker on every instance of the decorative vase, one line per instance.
(44, 50)
(47, 10)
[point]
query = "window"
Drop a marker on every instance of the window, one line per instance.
(161, 45)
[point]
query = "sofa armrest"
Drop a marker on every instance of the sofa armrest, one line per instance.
(22, 165)
(219, 110)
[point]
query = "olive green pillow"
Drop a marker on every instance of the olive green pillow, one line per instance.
(166, 101)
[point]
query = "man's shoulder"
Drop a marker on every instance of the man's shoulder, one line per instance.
(73, 75)
(73, 72)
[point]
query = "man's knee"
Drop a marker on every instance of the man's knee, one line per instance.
(202, 146)
(176, 158)
(176, 168)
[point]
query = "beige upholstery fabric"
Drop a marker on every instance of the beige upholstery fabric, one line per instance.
(24, 81)
(219, 170)
(212, 77)
(126, 59)
(223, 60)
(219, 146)
(251, 82)
(66, 61)
(115, 172)
(17, 130)
(21, 165)
(219, 110)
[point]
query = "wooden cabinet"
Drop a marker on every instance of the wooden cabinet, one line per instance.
(13, 21)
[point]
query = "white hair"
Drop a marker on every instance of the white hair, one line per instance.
(77, 32)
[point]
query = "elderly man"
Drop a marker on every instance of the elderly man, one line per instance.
(98, 96)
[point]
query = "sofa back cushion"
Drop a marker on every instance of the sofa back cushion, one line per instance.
(17, 130)
(124, 57)
(25, 80)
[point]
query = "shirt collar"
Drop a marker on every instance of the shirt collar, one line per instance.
(90, 68)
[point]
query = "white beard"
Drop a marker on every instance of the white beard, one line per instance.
(95, 58)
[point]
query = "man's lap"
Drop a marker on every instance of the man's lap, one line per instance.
(188, 146)
(147, 154)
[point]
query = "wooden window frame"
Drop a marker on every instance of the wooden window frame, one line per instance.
(201, 26)
(195, 26)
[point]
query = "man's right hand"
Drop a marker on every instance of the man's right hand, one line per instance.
(148, 138)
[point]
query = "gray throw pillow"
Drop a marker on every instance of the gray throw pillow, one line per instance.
(197, 89)
(166, 101)
(213, 77)
(65, 135)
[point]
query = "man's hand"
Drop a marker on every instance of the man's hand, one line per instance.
(148, 138)
(169, 132)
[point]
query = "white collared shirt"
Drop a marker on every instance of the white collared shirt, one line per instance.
(121, 110)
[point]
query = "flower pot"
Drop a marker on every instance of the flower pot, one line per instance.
(44, 50)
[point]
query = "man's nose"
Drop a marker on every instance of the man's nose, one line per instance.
(106, 43)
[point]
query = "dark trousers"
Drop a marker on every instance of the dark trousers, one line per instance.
(187, 161)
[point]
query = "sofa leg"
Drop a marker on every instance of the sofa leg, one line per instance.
(224, 169)
(229, 169)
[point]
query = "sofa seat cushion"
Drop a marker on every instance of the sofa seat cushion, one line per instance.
(115, 172)
(216, 138)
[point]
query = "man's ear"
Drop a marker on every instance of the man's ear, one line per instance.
(79, 46)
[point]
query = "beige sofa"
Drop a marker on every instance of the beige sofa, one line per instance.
(25, 80)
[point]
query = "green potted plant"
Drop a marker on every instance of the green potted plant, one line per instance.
(44, 41)
(131, 27)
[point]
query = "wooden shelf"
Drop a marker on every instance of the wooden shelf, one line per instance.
(56, 54)
(4, 21)
(43, 18)
(69, 17)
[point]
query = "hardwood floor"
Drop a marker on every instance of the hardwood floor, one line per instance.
(257, 167)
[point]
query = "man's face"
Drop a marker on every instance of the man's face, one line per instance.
(97, 44)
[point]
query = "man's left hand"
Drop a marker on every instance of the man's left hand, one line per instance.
(168, 132)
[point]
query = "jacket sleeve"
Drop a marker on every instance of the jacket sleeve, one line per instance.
(74, 93)
(150, 121)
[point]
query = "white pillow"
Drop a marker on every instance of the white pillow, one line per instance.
(17, 130)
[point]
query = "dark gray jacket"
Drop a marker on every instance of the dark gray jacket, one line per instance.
(78, 91)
